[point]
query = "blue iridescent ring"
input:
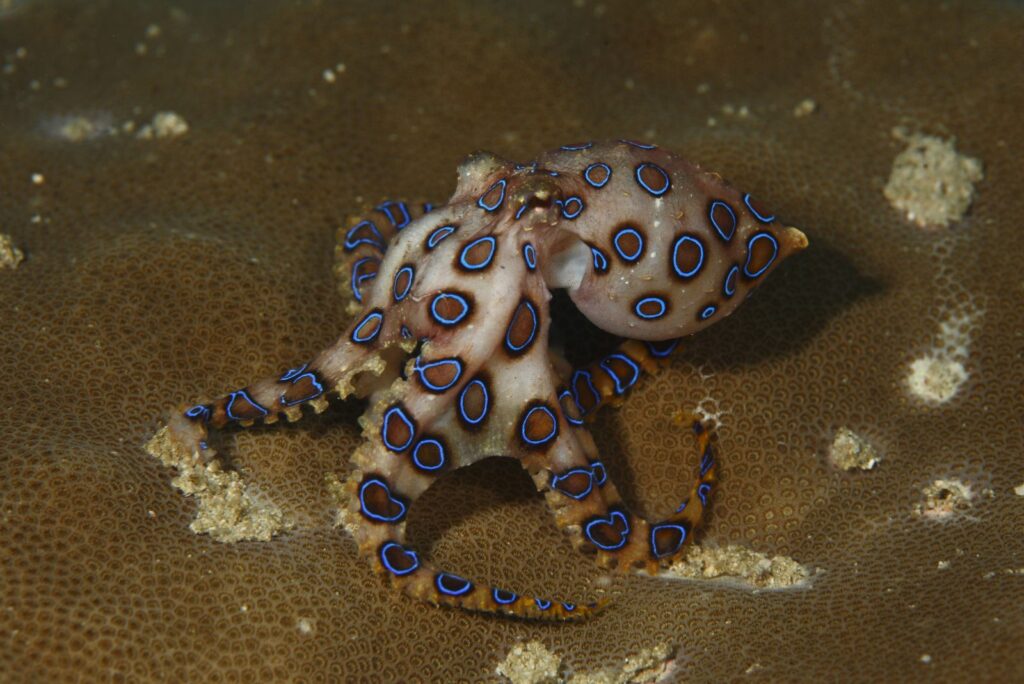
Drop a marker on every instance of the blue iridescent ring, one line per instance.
(454, 319)
(403, 210)
(673, 526)
(620, 385)
(452, 585)
(373, 321)
(429, 467)
(658, 302)
(503, 597)
(401, 291)
(729, 284)
(397, 413)
(600, 260)
(613, 516)
(409, 553)
(377, 482)
(682, 240)
(572, 207)
(490, 242)
(599, 182)
(725, 235)
(707, 312)
(476, 382)
(530, 256)
(629, 232)
(497, 203)
(541, 441)
(750, 252)
(233, 397)
(577, 147)
(439, 234)
(358, 277)
(438, 388)
(666, 182)
(758, 215)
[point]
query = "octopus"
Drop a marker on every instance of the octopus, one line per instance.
(449, 343)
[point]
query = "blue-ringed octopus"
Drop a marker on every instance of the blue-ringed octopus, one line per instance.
(449, 343)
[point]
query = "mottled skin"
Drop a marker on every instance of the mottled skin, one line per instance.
(450, 343)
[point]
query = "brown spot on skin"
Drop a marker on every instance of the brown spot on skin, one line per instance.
(451, 308)
(301, 389)
(652, 308)
(539, 423)
(725, 221)
(586, 394)
(429, 455)
(477, 255)
(522, 330)
(609, 532)
(396, 431)
(666, 540)
(574, 484)
(655, 178)
(493, 196)
(629, 245)
(399, 559)
(403, 280)
(440, 375)
(687, 256)
(474, 403)
(379, 501)
(761, 254)
(569, 408)
(242, 408)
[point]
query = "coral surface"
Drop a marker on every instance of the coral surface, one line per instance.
(175, 174)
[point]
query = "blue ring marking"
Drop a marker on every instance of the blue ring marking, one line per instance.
(203, 445)
(317, 391)
(702, 492)
(245, 395)
(520, 210)
(350, 243)
(357, 334)
(503, 597)
(682, 507)
(569, 607)
(650, 317)
(750, 252)
(501, 198)
(385, 209)
(590, 385)
(620, 386)
(438, 234)
(555, 479)
(357, 278)
(452, 361)
(600, 474)
(547, 438)
(388, 415)
(570, 213)
(387, 546)
(578, 147)
(533, 330)
(639, 248)
(610, 520)
(714, 223)
(542, 603)
(591, 181)
(662, 352)
(489, 239)
(428, 207)
(440, 448)
(600, 260)
(406, 333)
(707, 312)
(530, 256)
(554, 174)
(462, 590)
(655, 192)
(449, 295)
(370, 514)
(462, 402)
(292, 373)
(198, 411)
(729, 284)
(760, 217)
(682, 539)
(700, 263)
(707, 461)
(399, 296)
(568, 418)
(634, 143)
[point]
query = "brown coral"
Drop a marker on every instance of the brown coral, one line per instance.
(164, 269)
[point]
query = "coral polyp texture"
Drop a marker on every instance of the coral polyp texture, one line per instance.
(449, 344)
(160, 268)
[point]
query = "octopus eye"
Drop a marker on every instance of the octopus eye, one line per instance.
(723, 219)
(652, 178)
(762, 249)
(597, 175)
(494, 197)
(651, 307)
(397, 559)
(452, 585)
